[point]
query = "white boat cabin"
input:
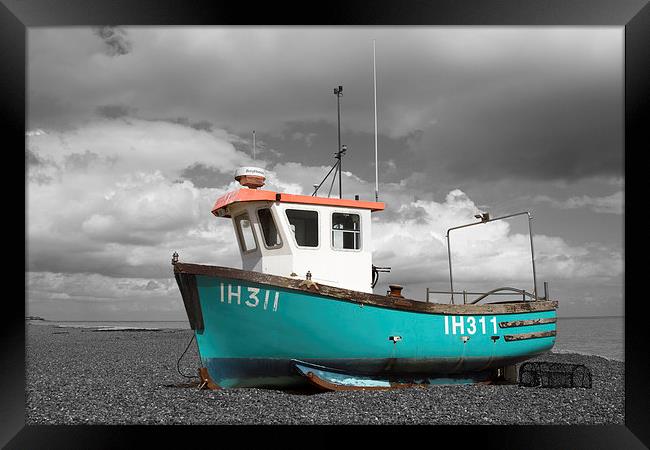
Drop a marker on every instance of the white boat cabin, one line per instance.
(289, 235)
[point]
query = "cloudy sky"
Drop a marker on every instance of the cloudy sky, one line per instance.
(133, 132)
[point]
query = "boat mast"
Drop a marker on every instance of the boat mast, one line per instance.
(253, 144)
(374, 79)
(339, 92)
(342, 149)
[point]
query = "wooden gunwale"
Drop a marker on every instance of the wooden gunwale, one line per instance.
(363, 298)
(524, 336)
(526, 323)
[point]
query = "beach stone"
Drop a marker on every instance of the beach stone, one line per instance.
(122, 377)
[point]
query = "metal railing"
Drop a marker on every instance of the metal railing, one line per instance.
(485, 218)
(482, 295)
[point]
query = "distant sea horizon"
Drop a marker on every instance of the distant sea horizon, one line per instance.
(589, 335)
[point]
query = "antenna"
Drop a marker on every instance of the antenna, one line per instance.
(339, 154)
(339, 92)
(374, 79)
(253, 144)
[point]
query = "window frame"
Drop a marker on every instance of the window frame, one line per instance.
(318, 224)
(240, 237)
(331, 235)
(277, 228)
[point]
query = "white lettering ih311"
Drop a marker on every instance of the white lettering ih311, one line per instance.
(251, 296)
(468, 324)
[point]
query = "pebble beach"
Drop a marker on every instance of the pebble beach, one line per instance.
(79, 376)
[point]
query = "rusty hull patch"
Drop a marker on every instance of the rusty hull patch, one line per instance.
(206, 381)
(524, 336)
(524, 323)
(364, 298)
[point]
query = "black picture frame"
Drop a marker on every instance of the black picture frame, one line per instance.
(18, 15)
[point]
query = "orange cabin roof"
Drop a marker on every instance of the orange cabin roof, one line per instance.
(256, 195)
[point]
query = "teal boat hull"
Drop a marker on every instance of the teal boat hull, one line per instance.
(251, 328)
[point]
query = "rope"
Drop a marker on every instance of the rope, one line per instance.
(178, 368)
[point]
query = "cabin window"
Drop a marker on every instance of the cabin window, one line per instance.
(346, 231)
(245, 231)
(269, 230)
(304, 225)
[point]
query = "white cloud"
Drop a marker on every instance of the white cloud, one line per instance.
(610, 204)
(36, 132)
(307, 137)
(104, 226)
(135, 144)
(112, 194)
(415, 245)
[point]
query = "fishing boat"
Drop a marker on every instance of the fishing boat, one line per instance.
(301, 311)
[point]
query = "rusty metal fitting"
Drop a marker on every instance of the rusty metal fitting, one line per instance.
(395, 290)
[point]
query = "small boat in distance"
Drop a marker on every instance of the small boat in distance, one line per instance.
(301, 311)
